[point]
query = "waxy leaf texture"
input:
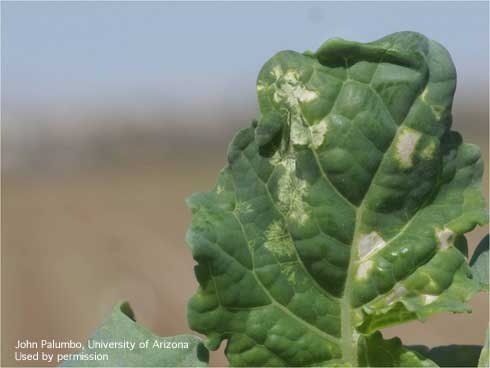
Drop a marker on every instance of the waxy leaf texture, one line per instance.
(120, 327)
(342, 209)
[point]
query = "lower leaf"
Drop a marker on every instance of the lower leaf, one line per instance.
(119, 328)
(374, 351)
(417, 305)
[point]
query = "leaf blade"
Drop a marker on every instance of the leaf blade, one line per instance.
(120, 327)
(328, 215)
(377, 352)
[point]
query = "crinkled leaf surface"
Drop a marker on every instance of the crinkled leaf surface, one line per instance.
(451, 355)
(376, 352)
(340, 209)
(480, 264)
(188, 351)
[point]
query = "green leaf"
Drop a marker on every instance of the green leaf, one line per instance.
(451, 355)
(484, 360)
(120, 328)
(479, 264)
(341, 209)
(376, 352)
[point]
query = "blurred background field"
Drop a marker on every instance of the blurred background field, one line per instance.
(114, 113)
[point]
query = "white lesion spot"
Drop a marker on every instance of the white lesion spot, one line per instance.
(369, 244)
(277, 72)
(289, 93)
(305, 95)
(363, 269)
(297, 89)
(312, 136)
(299, 133)
(396, 294)
(423, 95)
(219, 189)
(428, 299)
(291, 192)
(318, 133)
(405, 146)
(277, 240)
(276, 159)
(445, 238)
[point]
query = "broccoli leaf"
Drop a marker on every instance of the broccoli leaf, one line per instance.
(342, 208)
(479, 264)
(120, 327)
(376, 352)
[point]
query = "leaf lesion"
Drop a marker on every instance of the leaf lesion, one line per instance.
(273, 300)
(289, 235)
(283, 238)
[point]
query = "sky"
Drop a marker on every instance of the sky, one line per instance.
(79, 56)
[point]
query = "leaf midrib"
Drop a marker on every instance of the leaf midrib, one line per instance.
(348, 341)
(349, 346)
